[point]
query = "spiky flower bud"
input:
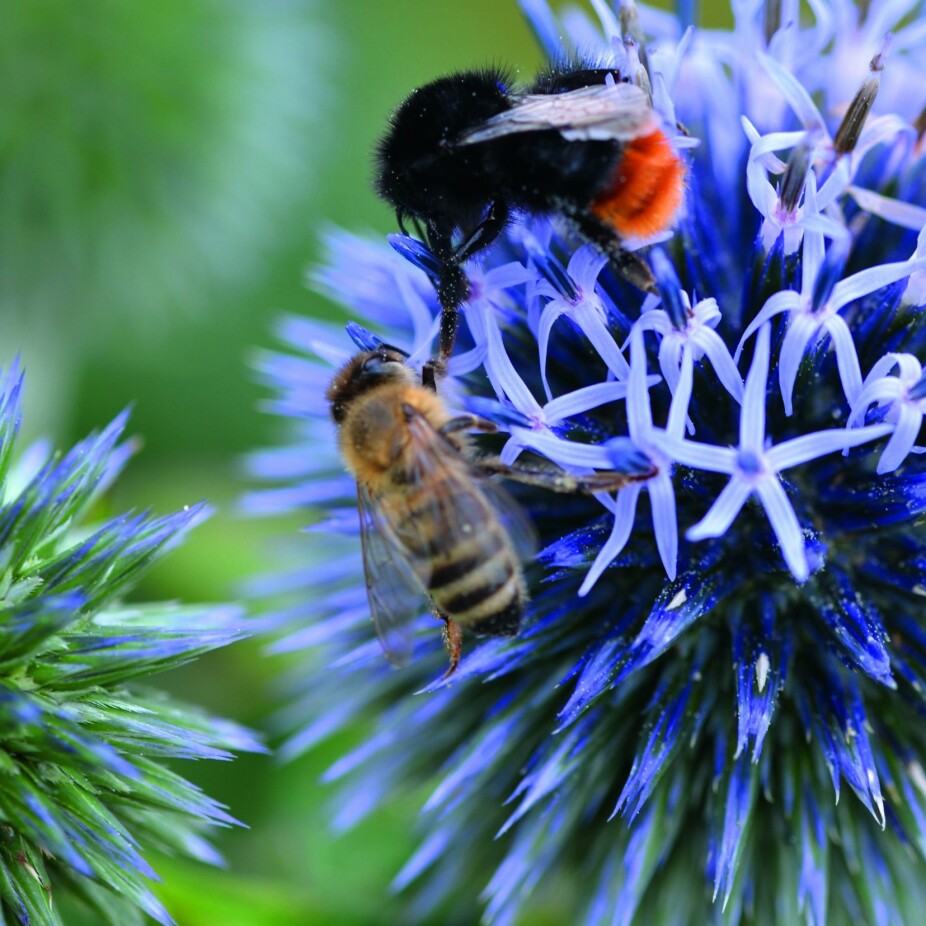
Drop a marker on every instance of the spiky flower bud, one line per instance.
(86, 790)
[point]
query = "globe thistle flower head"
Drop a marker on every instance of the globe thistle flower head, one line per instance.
(86, 791)
(714, 656)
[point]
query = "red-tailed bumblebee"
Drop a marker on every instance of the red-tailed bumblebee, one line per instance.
(464, 151)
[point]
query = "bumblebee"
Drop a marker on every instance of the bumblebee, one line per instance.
(465, 151)
(432, 526)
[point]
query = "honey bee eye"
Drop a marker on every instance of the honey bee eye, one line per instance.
(377, 365)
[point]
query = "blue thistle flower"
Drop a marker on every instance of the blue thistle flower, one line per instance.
(713, 671)
(85, 785)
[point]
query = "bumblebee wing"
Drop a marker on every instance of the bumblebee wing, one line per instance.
(395, 592)
(602, 112)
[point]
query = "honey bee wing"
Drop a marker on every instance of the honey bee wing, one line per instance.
(514, 518)
(453, 502)
(394, 590)
(602, 112)
(463, 499)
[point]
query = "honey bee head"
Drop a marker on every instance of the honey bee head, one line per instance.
(368, 370)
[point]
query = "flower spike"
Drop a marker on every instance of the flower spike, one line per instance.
(87, 794)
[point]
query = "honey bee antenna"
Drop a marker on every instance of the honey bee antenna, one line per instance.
(396, 350)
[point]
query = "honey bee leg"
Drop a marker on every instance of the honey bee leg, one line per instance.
(468, 423)
(557, 480)
(431, 372)
(453, 641)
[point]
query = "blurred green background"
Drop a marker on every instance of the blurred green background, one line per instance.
(166, 167)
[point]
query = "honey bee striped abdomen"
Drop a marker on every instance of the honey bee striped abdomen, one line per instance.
(437, 534)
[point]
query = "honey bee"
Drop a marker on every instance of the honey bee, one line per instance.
(430, 526)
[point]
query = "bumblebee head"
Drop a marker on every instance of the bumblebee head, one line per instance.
(419, 171)
(368, 370)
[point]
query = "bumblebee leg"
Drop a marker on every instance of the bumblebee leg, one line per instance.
(634, 269)
(557, 480)
(453, 285)
(484, 233)
(419, 229)
(453, 641)
(628, 264)
(468, 423)
(451, 294)
(436, 368)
